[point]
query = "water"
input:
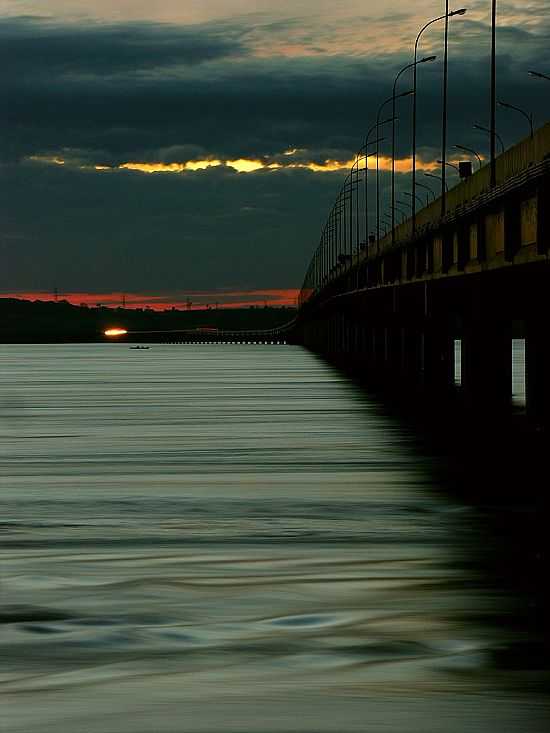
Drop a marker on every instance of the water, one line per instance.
(237, 538)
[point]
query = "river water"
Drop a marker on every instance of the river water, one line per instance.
(238, 538)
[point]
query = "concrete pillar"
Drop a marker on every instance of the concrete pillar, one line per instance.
(487, 365)
(537, 369)
(437, 358)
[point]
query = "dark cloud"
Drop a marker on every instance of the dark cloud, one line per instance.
(134, 231)
(105, 95)
(33, 47)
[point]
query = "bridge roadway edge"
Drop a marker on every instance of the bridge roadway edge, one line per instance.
(478, 276)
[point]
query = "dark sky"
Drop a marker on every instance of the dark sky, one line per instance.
(170, 148)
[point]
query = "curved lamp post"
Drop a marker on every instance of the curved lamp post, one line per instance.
(472, 151)
(428, 191)
(437, 178)
(492, 134)
(414, 64)
(449, 165)
(417, 197)
(528, 116)
(448, 14)
(386, 102)
(368, 143)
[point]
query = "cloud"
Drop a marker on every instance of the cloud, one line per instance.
(32, 47)
(84, 103)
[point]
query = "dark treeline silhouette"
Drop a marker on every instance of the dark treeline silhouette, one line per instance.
(23, 321)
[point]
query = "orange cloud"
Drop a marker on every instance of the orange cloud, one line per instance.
(252, 165)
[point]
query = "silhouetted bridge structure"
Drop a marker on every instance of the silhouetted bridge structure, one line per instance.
(397, 309)
(273, 336)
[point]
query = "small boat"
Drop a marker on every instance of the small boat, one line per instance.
(139, 347)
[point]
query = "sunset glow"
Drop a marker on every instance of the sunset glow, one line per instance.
(115, 332)
(249, 165)
(192, 300)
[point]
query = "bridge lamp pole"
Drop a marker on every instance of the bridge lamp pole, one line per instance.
(384, 104)
(538, 75)
(368, 143)
(407, 204)
(437, 178)
(449, 165)
(414, 64)
(362, 153)
(444, 187)
(488, 131)
(403, 212)
(472, 151)
(493, 130)
(448, 14)
(528, 115)
(428, 192)
(417, 197)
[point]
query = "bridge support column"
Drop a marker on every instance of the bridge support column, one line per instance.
(437, 358)
(537, 370)
(410, 357)
(487, 365)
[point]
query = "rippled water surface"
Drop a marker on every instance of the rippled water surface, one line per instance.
(237, 538)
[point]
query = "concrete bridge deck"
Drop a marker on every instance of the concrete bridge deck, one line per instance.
(396, 307)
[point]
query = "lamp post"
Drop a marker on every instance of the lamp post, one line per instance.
(437, 178)
(449, 165)
(416, 196)
(428, 191)
(472, 151)
(403, 70)
(368, 143)
(386, 102)
(452, 13)
(493, 131)
(528, 116)
(538, 75)
(489, 132)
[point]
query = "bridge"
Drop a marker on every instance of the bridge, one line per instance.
(462, 275)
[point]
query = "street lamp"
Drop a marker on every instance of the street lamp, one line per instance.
(415, 63)
(449, 165)
(528, 116)
(472, 151)
(452, 13)
(428, 191)
(437, 178)
(368, 143)
(390, 99)
(408, 193)
(489, 132)
(538, 75)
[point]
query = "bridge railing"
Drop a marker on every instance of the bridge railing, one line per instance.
(342, 248)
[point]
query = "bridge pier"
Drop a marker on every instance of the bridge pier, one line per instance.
(537, 368)
(487, 365)
(437, 358)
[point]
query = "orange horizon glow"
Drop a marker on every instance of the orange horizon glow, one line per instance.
(193, 300)
(251, 165)
(115, 332)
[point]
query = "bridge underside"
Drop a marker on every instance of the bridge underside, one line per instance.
(476, 276)
(404, 337)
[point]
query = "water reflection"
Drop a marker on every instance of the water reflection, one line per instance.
(239, 538)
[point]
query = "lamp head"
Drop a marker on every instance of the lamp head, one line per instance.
(460, 11)
(427, 58)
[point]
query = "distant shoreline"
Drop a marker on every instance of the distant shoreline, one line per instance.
(43, 322)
